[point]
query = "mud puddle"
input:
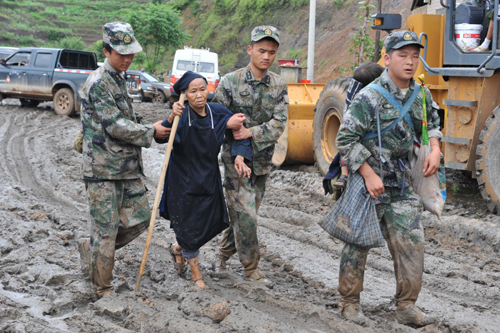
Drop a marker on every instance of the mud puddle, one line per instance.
(44, 212)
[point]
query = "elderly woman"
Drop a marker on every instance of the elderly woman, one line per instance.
(193, 199)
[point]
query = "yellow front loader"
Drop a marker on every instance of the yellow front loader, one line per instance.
(466, 86)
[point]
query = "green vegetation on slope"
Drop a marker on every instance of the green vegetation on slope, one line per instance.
(37, 23)
(222, 25)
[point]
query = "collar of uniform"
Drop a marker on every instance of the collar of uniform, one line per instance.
(266, 79)
(112, 71)
(387, 83)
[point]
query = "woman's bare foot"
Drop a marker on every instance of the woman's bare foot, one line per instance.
(195, 271)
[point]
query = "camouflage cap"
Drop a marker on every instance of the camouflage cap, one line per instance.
(121, 38)
(265, 31)
(399, 39)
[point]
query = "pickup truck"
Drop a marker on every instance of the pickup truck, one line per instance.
(42, 74)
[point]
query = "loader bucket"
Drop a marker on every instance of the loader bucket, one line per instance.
(296, 143)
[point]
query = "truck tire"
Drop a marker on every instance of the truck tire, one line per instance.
(488, 153)
(328, 115)
(160, 98)
(64, 102)
(29, 102)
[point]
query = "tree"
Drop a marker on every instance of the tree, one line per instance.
(157, 28)
(361, 43)
(73, 43)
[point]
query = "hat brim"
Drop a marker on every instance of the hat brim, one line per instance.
(127, 49)
(405, 43)
(267, 36)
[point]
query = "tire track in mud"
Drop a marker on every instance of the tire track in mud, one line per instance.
(455, 287)
(298, 256)
(17, 144)
(466, 301)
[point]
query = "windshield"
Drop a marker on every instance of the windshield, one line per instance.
(206, 67)
(185, 65)
(149, 77)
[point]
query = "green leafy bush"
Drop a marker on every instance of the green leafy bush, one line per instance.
(74, 43)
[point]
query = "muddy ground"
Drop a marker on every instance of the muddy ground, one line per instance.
(43, 212)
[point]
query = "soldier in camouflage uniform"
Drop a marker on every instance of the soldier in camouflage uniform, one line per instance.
(262, 96)
(112, 165)
(398, 207)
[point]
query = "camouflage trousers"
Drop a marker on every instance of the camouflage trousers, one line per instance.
(119, 213)
(402, 229)
(241, 235)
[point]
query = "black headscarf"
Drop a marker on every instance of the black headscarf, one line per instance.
(185, 80)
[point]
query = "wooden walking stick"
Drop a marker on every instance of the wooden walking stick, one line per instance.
(159, 190)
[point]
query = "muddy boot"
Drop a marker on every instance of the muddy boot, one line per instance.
(412, 314)
(353, 313)
(105, 292)
(257, 276)
(220, 268)
(84, 249)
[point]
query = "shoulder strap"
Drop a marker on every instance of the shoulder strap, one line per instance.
(403, 110)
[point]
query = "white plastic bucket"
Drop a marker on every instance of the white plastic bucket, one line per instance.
(468, 36)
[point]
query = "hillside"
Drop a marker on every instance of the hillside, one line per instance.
(222, 25)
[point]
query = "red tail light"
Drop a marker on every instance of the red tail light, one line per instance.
(216, 84)
(172, 81)
(139, 84)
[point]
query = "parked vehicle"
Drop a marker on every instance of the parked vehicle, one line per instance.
(201, 61)
(163, 91)
(139, 87)
(41, 74)
(6, 51)
(146, 87)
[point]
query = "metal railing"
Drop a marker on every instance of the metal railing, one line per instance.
(495, 38)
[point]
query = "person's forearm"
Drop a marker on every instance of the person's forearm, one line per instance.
(366, 170)
(434, 142)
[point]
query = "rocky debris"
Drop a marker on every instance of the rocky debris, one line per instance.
(218, 311)
(113, 307)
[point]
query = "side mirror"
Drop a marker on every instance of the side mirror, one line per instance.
(386, 22)
(3, 62)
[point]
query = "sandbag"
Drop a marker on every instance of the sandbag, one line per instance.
(427, 188)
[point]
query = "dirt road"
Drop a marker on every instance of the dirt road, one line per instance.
(43, 211)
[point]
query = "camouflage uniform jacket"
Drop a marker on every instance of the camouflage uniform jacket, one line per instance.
(112, 133)
(397, 143)
(265, 106)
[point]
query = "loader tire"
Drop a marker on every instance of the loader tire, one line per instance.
(487, 164)
(328, 115)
